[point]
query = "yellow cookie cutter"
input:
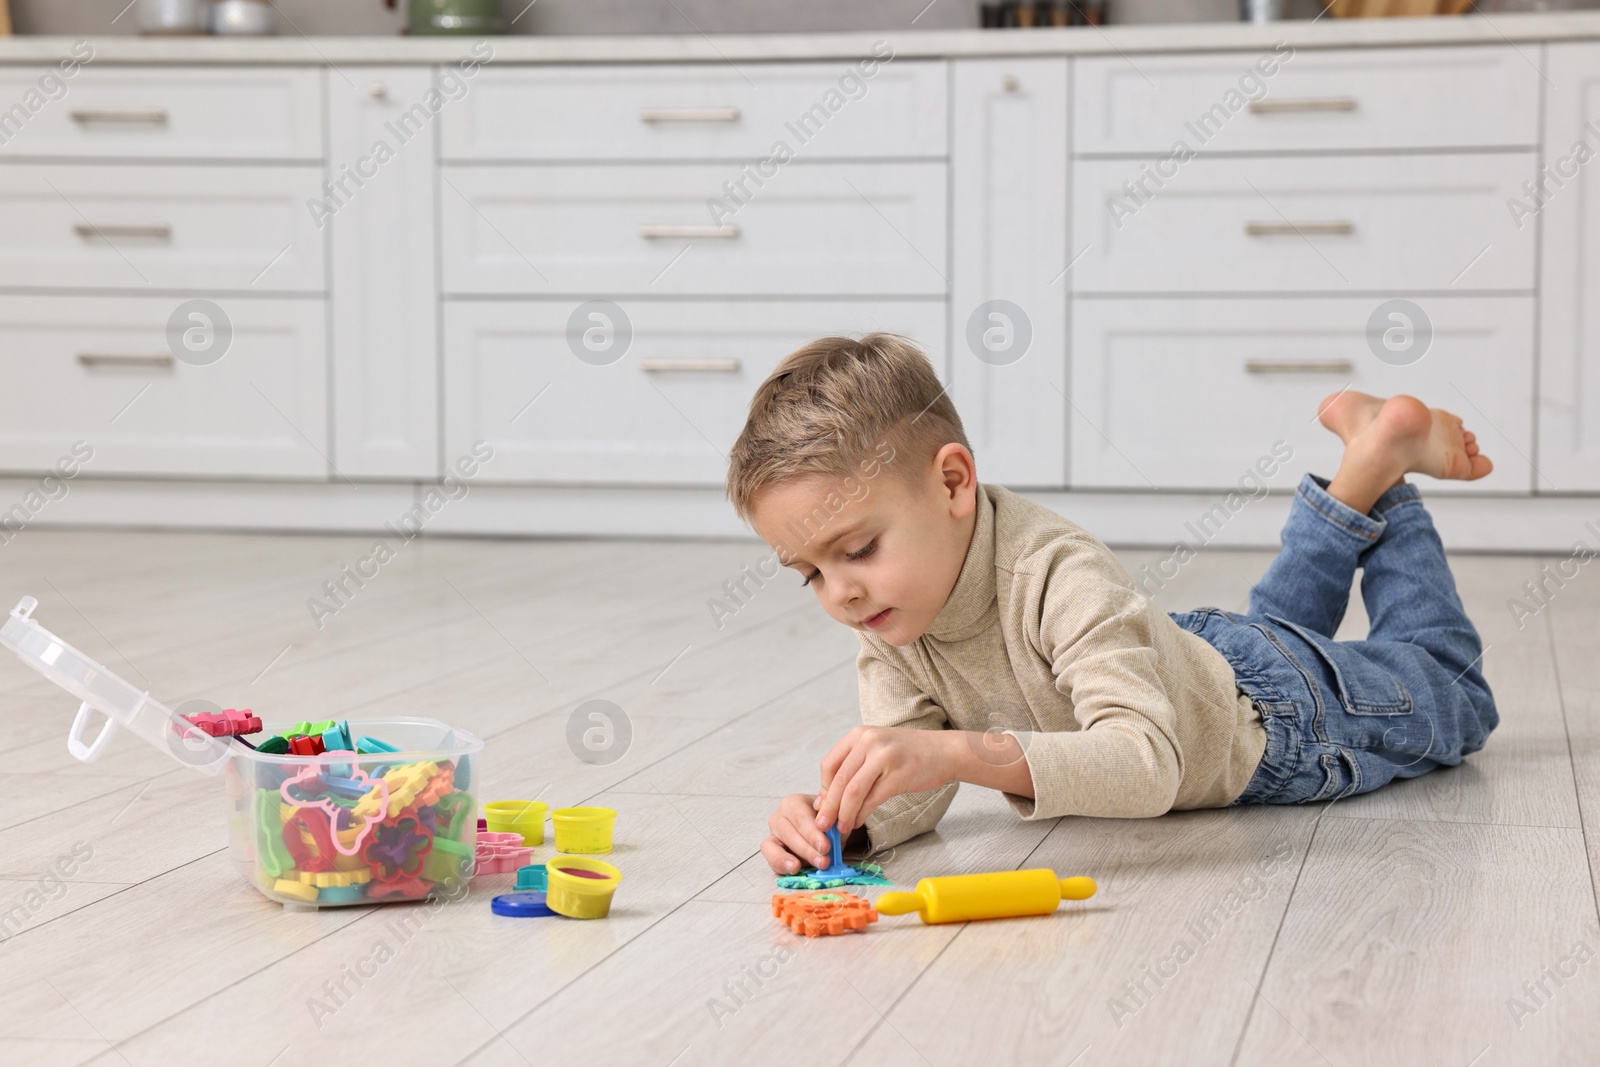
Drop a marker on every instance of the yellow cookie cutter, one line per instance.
(578, 896)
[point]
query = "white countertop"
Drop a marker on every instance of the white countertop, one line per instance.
(1325, 32)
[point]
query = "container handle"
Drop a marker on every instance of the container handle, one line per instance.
(90, 752)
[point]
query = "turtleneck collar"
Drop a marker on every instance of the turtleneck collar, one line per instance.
(971, 606)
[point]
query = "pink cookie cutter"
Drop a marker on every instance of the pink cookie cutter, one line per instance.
(331, 809)
(499, 853)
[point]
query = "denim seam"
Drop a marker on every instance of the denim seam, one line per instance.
(1370, 538)
(1320, 719)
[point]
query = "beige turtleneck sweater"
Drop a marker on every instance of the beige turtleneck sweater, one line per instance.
(1120, 712)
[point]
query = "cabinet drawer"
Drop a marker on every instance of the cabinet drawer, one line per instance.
(822, 229)
(1299, 224)
(649, 417)
(1188, 394)
(101, 370)
(136, 227)
(1406, 98)
(169, 113)
(817, 110)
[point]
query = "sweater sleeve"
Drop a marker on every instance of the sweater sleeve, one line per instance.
(1095, 629)
(889, 698)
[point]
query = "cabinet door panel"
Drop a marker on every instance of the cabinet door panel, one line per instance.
(100, 369)
(1381, 223)
(816, 229)
(385, 287)
(1279, 99)
(816, 110)
(1569, 335)
(652, 416)
(1009, 289)
(142, 226)
(1189, 394)
(166, 113)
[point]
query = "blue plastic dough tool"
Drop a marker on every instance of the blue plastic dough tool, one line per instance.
(837, 868)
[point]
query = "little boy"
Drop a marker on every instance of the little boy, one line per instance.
(1004, 646)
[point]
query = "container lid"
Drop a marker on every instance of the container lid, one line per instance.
(124, 706)
(521, 905)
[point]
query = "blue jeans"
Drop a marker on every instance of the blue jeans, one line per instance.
(1345, 717)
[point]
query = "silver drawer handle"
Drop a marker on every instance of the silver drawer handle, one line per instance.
(149, 118)
(688, 114)
(86, 229)
(90, 359)
(727, 366)
(1294, 366)
(1326, 103)
(1290, 229)
(652, 232)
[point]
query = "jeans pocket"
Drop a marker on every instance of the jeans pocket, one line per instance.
(1365, 688)
(1340, 777)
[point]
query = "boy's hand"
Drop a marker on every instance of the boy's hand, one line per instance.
(795, 836)
(870, 764)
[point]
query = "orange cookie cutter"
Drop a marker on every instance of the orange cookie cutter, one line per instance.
(823, 912)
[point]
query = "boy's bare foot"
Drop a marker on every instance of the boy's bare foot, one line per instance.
(1387, 439)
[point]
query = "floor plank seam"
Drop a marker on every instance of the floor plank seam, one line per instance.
(1561, 700)
(500, 1035)
(109, 896)
(1283, 917)
(1457, 822)
(883, 1016)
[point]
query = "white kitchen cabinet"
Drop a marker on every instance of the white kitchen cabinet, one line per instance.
(871, 106)
(814, 229)
(142, 226)
(1569, 334)
(191, 113)
(1282, 99)
(666, 411)
(1189, 393)
(102, 370)
(1303, 224)
(1009, 291)
(385, 321)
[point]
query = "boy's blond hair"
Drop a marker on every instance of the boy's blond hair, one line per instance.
(833, 403)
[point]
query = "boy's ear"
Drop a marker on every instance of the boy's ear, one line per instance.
(958, 477)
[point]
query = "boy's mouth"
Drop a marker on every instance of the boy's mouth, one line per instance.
(872, 622)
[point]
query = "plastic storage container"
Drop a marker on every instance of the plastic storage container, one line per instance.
(339, 828)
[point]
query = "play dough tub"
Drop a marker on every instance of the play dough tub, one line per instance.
(346, 826)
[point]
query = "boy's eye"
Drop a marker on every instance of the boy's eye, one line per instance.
(861, 553)
(864, 551)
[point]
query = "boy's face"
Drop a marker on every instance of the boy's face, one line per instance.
(885, 560)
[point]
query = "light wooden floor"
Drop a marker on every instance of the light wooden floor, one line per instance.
(1393, 928)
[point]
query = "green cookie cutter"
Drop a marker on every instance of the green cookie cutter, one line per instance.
(272, 855)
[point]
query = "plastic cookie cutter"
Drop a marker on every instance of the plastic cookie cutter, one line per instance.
(403, 784)
(532, 878)
(325, 803)
(824, 913)
(226, 723)
(398, 850)
(501, 853)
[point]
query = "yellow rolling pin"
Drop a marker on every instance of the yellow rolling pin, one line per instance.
(959, 898)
